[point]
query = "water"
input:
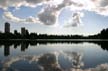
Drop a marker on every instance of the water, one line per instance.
(30, 56)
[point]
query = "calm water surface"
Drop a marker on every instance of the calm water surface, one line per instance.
(54, 57)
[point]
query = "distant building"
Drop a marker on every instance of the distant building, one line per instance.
(7, 27)
(23, 31)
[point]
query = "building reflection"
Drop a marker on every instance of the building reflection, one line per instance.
(6, 50)
(24, 46)
(48, 61)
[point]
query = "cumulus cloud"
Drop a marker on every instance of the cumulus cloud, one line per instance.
(104, 3)
(102, 11)
(4, 4)
(50, 13)
(10, 17)
(75, 20)
(17, 3)
(101, 7)
(48, 16)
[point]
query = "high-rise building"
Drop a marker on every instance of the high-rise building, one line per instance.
(7, 27)
(23, 31)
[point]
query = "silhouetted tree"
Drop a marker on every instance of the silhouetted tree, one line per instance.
(17, 35)
(104, 34)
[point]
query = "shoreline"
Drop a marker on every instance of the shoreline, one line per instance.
(65, 40)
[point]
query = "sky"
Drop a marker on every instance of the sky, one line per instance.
(62, 17)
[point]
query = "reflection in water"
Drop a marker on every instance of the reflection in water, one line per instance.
(46, 61)
(75, 58)
(49, 62)
(6, 50)
(25, 44)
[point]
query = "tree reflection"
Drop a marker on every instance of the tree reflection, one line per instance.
(25, 44)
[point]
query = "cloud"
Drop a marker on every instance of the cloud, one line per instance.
(4, 4)
(10, 17)
(51, 12)
(97, 6)
(17, 3)
(104, 3)
(75, 20)
(102, 11)
(32, 20)
(48, 16)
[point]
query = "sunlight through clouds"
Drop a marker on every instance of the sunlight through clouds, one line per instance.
(53, 8)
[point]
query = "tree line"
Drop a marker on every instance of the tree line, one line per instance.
(16, 35)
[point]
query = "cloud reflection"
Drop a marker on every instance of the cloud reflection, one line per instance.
(75, 58)
(49, 62)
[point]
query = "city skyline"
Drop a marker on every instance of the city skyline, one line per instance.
(64, 17)
(25, 34)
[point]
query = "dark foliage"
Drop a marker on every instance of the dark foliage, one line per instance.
(16, 35)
